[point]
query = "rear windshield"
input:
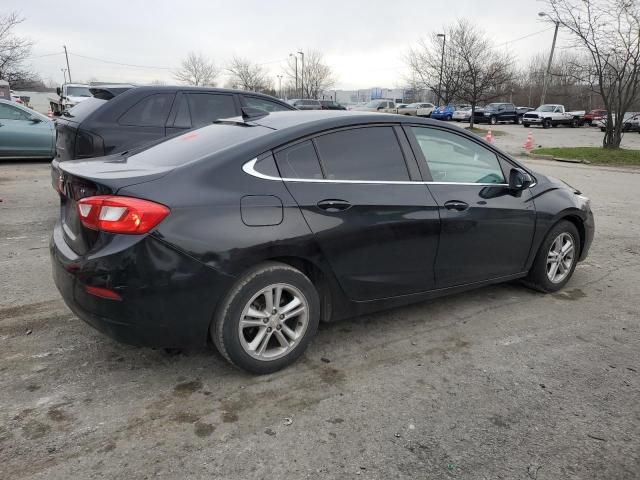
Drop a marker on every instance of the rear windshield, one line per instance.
(83, 109)
(195, 144)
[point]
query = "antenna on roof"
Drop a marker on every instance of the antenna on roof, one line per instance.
(251, 113)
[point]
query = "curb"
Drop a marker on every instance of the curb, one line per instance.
(557, 159)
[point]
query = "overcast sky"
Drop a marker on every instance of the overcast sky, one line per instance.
(363, 41)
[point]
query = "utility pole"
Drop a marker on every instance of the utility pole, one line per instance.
(545, 81)
(295, 57)
(67, 56)
(302, 73)
(444, 41)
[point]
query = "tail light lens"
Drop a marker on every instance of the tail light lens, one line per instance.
(113, 214)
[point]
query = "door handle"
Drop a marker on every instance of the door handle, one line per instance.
(456, 205)
(333, 205)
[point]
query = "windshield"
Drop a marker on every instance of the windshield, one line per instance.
(545, 108)
(78, 92)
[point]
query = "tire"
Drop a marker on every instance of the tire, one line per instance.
(546, 123)
(575, 123)
(518, 120)
(526, 125)
(554, 125)
(448, 118)
(493, 121)
(539, 275)
(250, 292)
(602, 129)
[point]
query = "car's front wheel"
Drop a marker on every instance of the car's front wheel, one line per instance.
(268, 318)
(556, 258)
(493, 120)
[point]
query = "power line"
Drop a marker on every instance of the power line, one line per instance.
(525, 37)
(45, 55)
(121, 64)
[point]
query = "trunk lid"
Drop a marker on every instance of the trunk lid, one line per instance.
(75, 180)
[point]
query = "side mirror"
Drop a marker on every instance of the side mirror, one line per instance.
(35, 120)
(58, 91)
(519, 179)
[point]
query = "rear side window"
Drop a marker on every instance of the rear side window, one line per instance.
(151, 111)
(362, 154)
(84, 109)
(264, 104)
(207, 107)
(299, 161)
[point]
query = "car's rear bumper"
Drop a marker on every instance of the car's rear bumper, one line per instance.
(167, 298)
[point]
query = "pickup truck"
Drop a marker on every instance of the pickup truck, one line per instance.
(552, 115)
(68, 96)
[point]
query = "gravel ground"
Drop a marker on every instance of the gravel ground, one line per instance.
(499, 383)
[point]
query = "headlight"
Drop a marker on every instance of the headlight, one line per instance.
(487, 114)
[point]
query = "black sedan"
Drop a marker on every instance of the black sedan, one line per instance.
(251, 231)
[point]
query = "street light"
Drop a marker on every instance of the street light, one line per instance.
(302, 73)
(545, 81)
(279, 85)
(444, 41)
(295, 57)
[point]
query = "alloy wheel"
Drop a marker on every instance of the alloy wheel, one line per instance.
(560, 257)
(273, 322)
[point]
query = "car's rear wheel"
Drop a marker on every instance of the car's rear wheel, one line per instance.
(556, 259)
(268, 318)
(518, 120)
(448, 118)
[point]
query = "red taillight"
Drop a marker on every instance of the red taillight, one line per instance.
(103, 293)
(115, 214)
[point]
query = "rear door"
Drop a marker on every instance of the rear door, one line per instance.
(487, 229)
(377, 227)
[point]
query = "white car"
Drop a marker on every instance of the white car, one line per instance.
(462, 115)
(425, 110)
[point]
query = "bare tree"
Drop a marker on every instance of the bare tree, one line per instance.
(197, 70)
(485, 72)
(607, 30)
(434, 65)
(248, 76)
(314, 78)
(14, 50)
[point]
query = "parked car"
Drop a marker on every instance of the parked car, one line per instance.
(249, 232)
(495, 113)
(412, 108)
(594, 115)
(426, 110)
(305, 104)
(24, 133)
(552, 115)
(446, 112)
(631, 122)
(140, 115)
(376, 106)
(331, 105)
(462, 114)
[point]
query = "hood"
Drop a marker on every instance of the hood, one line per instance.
(76, 99)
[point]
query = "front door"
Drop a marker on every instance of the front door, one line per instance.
(24, 135)
(377, 228)
(487, 229)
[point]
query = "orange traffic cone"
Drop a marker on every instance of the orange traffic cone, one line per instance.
(528, 145)
(489, 137)
(50, 114)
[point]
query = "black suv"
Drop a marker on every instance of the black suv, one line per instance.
(497, 112)
(108, 124)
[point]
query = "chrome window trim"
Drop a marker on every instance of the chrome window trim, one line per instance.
(249, 168)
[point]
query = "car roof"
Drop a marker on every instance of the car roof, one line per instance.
(23, 108)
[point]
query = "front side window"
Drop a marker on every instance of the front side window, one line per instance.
(264, 104)
(151, 111)
(371, 153)
(7, 112)
(207, 107)
(453, 158)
